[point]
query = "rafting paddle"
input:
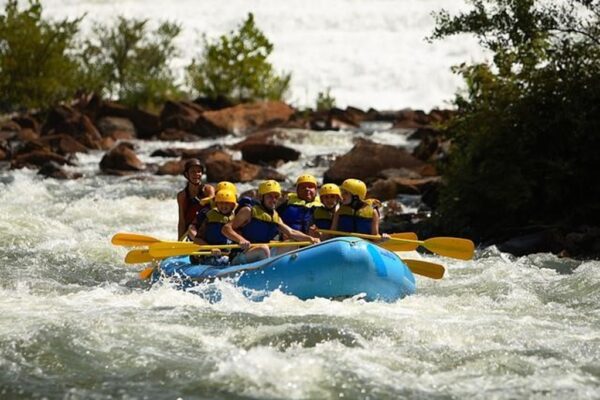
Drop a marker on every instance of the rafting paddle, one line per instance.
(133, 239)
(144, 256)
(170, 249)
(462, 249)
(426, 268)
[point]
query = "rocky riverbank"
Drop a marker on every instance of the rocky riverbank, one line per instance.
(52, 139)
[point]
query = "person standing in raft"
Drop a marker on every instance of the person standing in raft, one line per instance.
(259, 223)
(209, 231)
(193, 198)
(356, 214)
(322, 216)
(296, 211)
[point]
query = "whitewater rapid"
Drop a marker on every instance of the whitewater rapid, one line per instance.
(369, 53)
(76, 323)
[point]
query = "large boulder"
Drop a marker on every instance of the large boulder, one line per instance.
(243, 118)
(146, 123)
(121, 160)
(117, 128)
(180, 115)
(367, 159)
(54, 170)
(238, 171)
(263, 148)
(69, 121)
(37, 158)
(209, 155)
(63, 144)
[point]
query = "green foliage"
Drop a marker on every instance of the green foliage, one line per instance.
(325, 101)
(131, 63)
(236, 67)
(37, 67)
(527, 133)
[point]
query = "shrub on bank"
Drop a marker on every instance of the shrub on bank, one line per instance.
(130, 62)
(37, 63)
(236, 67)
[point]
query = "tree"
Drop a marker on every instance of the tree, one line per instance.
(236, 67)
(131, 63)
(37, 66)
(527, 132)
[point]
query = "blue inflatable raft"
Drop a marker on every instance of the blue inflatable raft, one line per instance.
(336, 268)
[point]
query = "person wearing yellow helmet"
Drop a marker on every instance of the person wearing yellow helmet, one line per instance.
(296, 211)
(260, 223)
(190, 200)
(356, 214)
(323, 215)
(209, 231)
(226, 185)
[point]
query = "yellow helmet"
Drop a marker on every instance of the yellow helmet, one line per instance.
(269, 186)
(356, 187)
(225, 185)
(306, 179)
(225, 196)
(330, 188)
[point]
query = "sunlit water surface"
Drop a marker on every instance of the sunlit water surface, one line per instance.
(76, 323)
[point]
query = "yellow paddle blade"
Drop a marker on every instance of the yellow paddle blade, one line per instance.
(132, 239)
(425, 268)
(138, 256)
(146, 273)
(171, 249)
(407, 241)
(462, 249)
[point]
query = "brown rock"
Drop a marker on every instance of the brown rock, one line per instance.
(63, 144)
(37, 158)
(146, 124)
(171, 168)
(116, 127)
(367, 159)
(172, 134)
(263, 148)
(27, 134)
(66, 120)
(233, 171)
(180, 115)
(10, 128)
(243, 118)
(54, 170)
(27, 122)
(204, 155)
(208, 156)
(121, 160)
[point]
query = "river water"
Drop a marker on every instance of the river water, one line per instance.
(75, 323)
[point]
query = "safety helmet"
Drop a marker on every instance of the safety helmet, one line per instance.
(330, 188)
(355, 187)
(269, 186)
(225, 185)
(306, 179)
(193, 162)
(225, 196)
